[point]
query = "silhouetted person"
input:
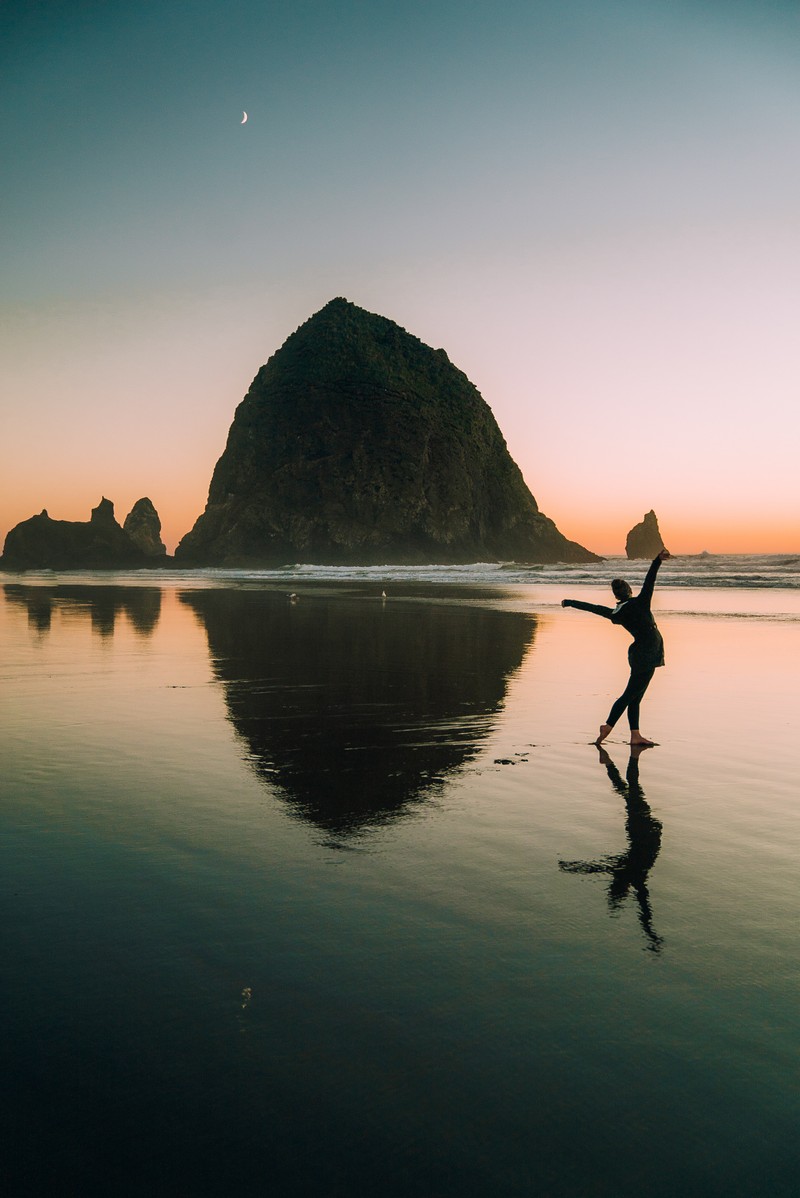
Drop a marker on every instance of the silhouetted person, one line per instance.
(646, 653)
(629, 870)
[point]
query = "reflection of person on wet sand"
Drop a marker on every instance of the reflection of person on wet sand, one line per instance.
(644, 655)
(629, 870)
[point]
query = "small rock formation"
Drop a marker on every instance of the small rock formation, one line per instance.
(644, 539)
(144, 528)
(358, 444)
(98, 543)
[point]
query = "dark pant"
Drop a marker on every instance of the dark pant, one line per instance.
(631, 697)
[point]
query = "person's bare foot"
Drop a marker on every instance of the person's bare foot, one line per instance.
(605, 730)
(642, 741)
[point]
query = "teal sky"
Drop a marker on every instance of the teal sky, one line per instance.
(591, 206)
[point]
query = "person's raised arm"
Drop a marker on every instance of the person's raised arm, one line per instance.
(646, 592)
(594, 608)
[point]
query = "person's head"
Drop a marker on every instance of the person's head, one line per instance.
(622, 589)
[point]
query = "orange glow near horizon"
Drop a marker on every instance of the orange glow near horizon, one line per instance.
(684, 538)
(595, 448)
(178, 487)
(596, 532)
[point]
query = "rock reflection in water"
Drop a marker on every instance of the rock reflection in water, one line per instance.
(103, 604)
(353, 708)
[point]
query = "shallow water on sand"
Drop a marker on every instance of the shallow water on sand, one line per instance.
(334, 897)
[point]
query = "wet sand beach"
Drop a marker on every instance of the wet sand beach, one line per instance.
(337, 896)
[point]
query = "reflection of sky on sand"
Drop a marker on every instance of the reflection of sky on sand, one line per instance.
(728, 687)
(444, 985)
(722, 779)
(119, 722)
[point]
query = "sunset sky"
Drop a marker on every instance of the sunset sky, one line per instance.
(591, 205)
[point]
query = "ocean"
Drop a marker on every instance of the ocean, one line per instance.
(704, 570)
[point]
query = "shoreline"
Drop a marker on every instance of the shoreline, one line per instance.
(765, 588)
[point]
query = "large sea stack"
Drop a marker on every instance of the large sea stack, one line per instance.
(644, 539)
(358, 444)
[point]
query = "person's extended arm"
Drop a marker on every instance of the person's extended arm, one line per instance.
(595, 608)
(646, 592)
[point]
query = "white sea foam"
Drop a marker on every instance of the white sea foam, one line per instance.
(700, 571)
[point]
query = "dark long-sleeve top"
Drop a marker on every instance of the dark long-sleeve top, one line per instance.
(647, 650)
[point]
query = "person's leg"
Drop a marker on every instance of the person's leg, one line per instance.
(638, 685)
(630, 698)
(617, 709)
(619, 705)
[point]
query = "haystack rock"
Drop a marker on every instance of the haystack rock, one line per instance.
(358, 444)
(644, 539)
(143, 526)
(95, 544)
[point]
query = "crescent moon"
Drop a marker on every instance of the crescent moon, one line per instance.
(243, 121)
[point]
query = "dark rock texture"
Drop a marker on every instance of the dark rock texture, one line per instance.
(358, 444)
(98, 543)
(644, 539)
(144, 528)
